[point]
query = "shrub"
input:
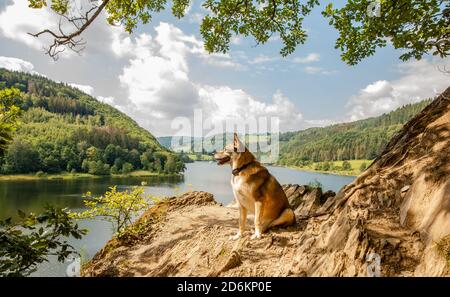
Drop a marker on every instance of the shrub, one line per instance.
(362, 167)
(118, 208)
(127, 168)
(30, 241)
(314, 184)
(346, 165)
(114, 170)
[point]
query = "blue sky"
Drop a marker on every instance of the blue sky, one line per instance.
(161, 72)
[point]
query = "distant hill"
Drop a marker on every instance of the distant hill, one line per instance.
(165, 141)
(359, 140)
(64, 129)
(364, 139)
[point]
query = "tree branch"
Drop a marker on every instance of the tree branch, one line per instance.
(70, 40)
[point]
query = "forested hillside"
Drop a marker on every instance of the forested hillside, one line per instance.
(364, 139)
(64, 129)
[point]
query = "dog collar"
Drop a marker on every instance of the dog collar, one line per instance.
(237, 170)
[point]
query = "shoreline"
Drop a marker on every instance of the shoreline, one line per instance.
(73, 176)
(316, 171)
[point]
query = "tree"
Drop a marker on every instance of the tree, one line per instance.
(98, 168)
(85, 165)
(147, 160)
(109, 155)
(114, 170)
(418, 26)
(9, 113)
(362, 167)
(346, 165)
(30, 241)
(116, 207)
(21, 157)
(93, 154)
(134, 158)
(170, 165)
(127, 168)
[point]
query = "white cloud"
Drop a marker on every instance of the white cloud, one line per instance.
(223, 103)
(108, 100)
(157, 81)
(312, 69)
(171, 42)
(420, 80)
(312, 57)
(226, 63)
(263, 59)
(16, 64)
(318, 70)
(320, 123)
(84, 88)
(17, 20)
(236, 40)
(195, 18)
(274, 38)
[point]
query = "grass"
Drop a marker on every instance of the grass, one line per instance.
(71, 176)
(31, 176)
(202, 157)
(335, 167)
(144, 173)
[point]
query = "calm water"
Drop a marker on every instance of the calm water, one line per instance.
(34, 195)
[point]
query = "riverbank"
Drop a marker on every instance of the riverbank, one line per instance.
(202, 157)
(335, 167)
(70, 176)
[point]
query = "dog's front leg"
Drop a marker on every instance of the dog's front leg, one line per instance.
(242, 222)
(258, 226)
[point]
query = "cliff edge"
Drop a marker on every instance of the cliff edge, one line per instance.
(396, 213)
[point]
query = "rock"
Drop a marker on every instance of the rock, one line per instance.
(233, 204)
(290, 190)
(404, 189)
(234, 260)
(326, 196)
(285, 186)
(302, 190)
(394, 242)
(295, 198)
(308, 202)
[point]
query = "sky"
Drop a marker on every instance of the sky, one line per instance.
(161, 72)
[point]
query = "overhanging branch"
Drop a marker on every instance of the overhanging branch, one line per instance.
(72, 40)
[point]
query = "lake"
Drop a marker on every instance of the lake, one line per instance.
(34, 195)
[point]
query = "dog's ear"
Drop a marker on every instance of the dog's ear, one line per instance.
(238, 145)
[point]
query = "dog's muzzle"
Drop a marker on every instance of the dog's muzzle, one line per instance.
(222, 160)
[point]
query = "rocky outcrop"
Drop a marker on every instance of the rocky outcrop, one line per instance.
(391, 221)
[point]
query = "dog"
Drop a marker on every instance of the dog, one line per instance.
(255, 190)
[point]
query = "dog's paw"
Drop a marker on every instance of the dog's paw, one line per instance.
(235, 237)
(257, 235)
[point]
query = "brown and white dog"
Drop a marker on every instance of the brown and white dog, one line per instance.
(255, 190)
